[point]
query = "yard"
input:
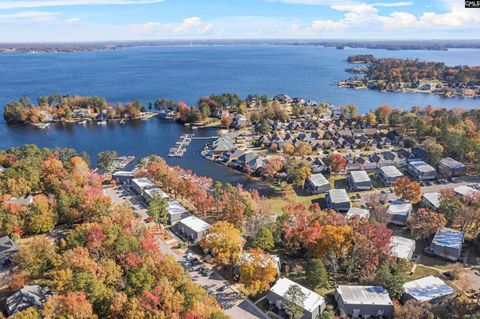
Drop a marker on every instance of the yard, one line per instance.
(291, 196)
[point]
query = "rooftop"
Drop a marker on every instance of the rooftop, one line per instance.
(23, 201)
(364, 295)
(401, 246)
(399, 207)
(152, 191)
(360, 176)
(195, 223)
(175, 207)
(422, 167)
(465, 190)
(448, 238)
(391, 171)
(354, 211)
(28, 296)
(433, 198)
(450, 162)
(338, 196)
(123, 173)
(312, 300)
(427, 288)
(143, 182)
(318, 180)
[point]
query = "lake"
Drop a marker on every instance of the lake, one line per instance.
(187, 73)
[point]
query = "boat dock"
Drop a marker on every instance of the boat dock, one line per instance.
(181, 145)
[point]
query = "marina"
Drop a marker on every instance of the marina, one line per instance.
(181, 145)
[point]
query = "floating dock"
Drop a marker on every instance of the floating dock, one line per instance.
(181, 145)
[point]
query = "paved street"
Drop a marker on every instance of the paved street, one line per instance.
(234, 304)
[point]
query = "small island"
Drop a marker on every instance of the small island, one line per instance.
(405, 75)
(72, 109)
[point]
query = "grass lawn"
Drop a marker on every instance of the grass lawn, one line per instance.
(338, 181)
(422, 271)
(291, 197)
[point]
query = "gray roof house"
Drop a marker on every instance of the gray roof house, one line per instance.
(317, 184)
(28, 296)
(398, 212)
(447, 243)
(141, 184)
(192, 228)
(465, 191)
(7, 249)
(22, 201)
(149, 193)
(389, 174)
(401, 247)
(431, 200)
(428, 289)
(313, 304)
(123, 177)
(338, 200)
(360, 212)
(359, 180)
(176, 212)
(421, 170)
(364, 301)
(449, 167)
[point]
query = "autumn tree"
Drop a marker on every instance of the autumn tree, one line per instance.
(434, 151)
(371, 118)
(273, 166)
(407, 190)
(226, 121)
(158, 209)
(105, 159)
(41, 215)
(337, 162)
(294, 226)
(257, 271)
(72, 305)
(288, 148)
(29, 313)
(298, 173)
(425, 223)
(224, 242)
(383, 113)
(38, 257)
(303, 149)
(264, 239)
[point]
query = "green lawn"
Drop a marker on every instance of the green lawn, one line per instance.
(293, 198)
(422, 271)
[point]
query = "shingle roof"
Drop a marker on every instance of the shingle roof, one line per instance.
(364, 295)
(427, 288)
(312, 300)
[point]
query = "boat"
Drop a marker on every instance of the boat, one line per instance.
(194, 128)
(84, 122)
(42, 125)
(122, 121)
(102, 123)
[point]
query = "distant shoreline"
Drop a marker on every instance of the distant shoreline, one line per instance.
(32, 48)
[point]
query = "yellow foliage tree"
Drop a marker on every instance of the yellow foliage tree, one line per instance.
(224, 242)
(257, 272)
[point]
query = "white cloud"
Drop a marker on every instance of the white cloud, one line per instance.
(348, 2)
(10, 4)
(73, 20)
(28, 16)
(188, 27)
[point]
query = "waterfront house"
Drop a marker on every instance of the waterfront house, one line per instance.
(389, 174)
(7, 249)
(402, 248)
(421, 170)
(447, 243)
(317, 184)
(29, 296)
(149, 193)
(398, 212)
(359, 180)
(364, 301)
(429, 289)
(360, 212)
(313, 304)
(338, 200)
(141, 184)
(123, 177)
(176, 212)
(431, 200)
(448, 167)
(192, 228)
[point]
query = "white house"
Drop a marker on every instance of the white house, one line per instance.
(428, 289)
(402, 248)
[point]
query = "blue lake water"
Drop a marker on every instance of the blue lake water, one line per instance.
(187, 73)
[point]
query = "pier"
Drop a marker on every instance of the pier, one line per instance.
(181, 145)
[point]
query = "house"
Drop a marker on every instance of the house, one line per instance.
(141, 184)
(338, 200)
(176, 212)
(360, 212)
(7, 249)
(313, 304)
(421, 170)
(123, 177)
(359, 180)
(148, 194)
(465, 191)
(398, 212)
(402, 248)
(192, 228)
(364, 301)
(449, 167)
(28, 296)
(389, 174)
(239, 121)
(428, 289)
(431, 200)
(419, 153)
(22, 201)
(447, 243)
(317, 184)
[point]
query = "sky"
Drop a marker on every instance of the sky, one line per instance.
(109, 20)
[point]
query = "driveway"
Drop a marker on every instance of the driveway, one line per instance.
(233, 303)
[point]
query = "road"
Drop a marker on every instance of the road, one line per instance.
(234, 304)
